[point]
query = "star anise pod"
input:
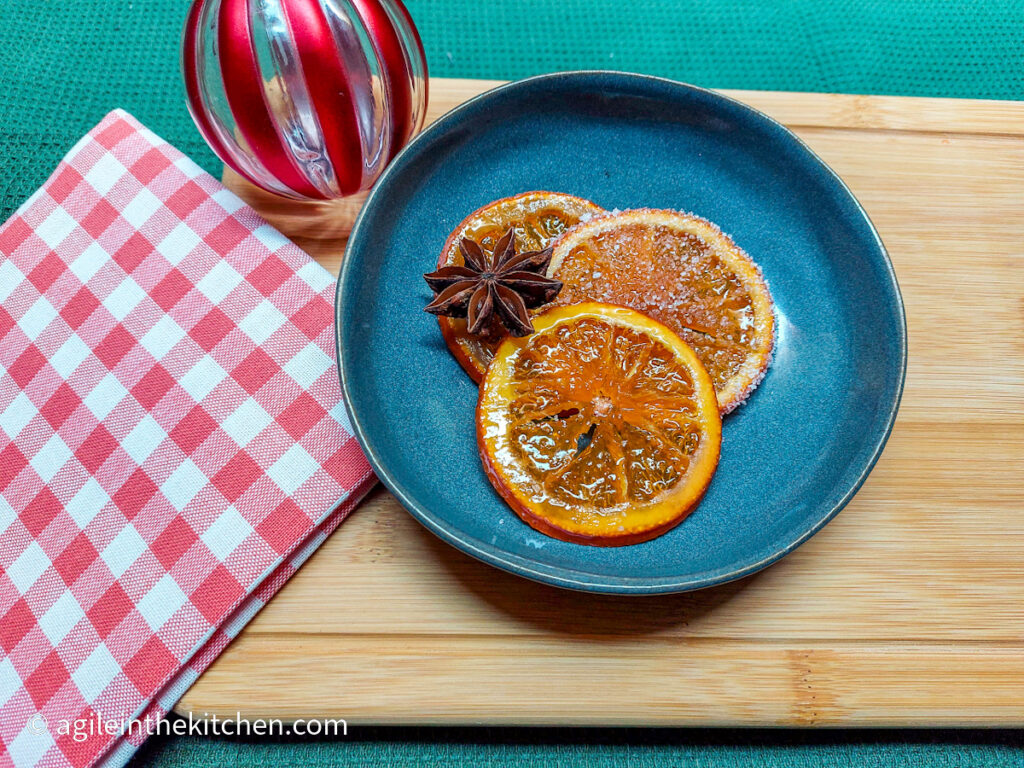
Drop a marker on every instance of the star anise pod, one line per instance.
(494, 290)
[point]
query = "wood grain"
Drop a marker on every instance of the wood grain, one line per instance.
(907, 609)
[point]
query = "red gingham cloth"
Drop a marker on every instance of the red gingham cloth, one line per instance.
(173, 442)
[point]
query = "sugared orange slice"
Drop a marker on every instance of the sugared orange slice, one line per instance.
(601, 428)
(681, 270)
(538, 218)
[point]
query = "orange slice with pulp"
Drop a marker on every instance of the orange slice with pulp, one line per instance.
(682, 270)
(601, 428)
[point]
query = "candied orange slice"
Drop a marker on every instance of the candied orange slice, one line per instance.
(538, 218)
(601, 428)
(681, 270)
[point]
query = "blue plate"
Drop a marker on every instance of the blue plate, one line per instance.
(792, 457)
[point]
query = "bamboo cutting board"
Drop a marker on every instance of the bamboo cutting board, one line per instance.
(907, 609)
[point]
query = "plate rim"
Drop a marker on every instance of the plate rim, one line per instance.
(556, 575)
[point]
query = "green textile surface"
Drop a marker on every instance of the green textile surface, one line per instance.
(603, 748)
(65, 63)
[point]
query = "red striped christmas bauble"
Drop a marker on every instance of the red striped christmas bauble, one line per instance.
(306, 98)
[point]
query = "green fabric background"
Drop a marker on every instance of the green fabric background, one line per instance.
(65, 63)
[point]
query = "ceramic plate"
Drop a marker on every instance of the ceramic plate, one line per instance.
(792, 457)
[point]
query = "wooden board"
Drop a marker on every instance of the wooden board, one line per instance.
(907, 609)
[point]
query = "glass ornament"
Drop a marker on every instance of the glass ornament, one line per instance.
(309, 99)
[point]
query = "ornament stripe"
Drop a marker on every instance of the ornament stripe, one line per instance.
(363, 68)
(398, 67)
(330, 91)
(243, 84)
(295, 119)
(416, 62)
(197, 102)
(393, 67)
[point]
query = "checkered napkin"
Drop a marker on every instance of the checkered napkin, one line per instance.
(172, 438)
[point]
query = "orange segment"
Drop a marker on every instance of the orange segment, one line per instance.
(539, 218)
(601, 428)
(681, 270)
